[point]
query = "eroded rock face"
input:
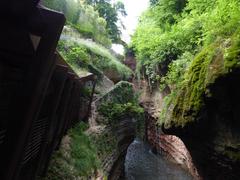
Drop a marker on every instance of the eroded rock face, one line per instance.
(171, 146)
(213, 139)
(125, 133)
(104, 85)
(130, 61)
(123, 130)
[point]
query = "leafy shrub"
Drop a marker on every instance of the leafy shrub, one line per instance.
(105, 143)
(176, 44)
(171, 28)
(122, 93)
(83, 52)
(176, 72)
(77, 157)
(115, 111)
(83, 18)
(214, 61)
(83, 152)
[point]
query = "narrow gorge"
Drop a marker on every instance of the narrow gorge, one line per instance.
(120, 90)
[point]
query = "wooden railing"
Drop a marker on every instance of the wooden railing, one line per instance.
(40, 95)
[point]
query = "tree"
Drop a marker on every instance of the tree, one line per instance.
(110, 12)
(84, 18)
(153, 2)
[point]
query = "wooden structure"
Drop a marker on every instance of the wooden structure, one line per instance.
(40, 95)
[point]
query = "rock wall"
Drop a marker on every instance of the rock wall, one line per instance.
(122, 132)
(125, 133)
(213, 139)
(204, 111)
(171, 146)
(130, 60)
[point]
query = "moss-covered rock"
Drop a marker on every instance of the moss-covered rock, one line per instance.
(122, 93)
(213, 62)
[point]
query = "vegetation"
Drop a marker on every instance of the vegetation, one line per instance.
(106, 144)
(83, 152)
(184, 46)
(85, 41)
(115, 111)
(83, 18)
(120, 103)
(85, 45)
(76, 158)
(95, 19)
(89, 55)
(110, 12)
(122, 93)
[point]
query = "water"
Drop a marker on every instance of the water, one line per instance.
(142, 164)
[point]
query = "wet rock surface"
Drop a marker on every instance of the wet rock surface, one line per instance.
(142, 164)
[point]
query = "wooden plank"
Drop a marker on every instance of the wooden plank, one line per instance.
(36, 83)
(58, 80)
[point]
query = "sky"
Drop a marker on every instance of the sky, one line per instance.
(134, 9)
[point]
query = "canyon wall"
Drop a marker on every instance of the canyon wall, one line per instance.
(204, 113)
(170, 146)
(115, 136)
(213, 139)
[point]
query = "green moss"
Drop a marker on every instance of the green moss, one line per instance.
(60, 168)
(212, 62)
(232, 54)
(121, 93)
(76, 159)
(83, 152)
(86, 91)
(83, 53)
(235, 156)
(113, 112)
(105, 143)
(189, 97)
(119, 103)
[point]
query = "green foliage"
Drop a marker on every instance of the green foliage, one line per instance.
(214, 61)
(153, 2)
(105, 142)
(166, 11)
(96, 19)
(110, 12)
(234, 156)
(122, 93)
(176, 71)
(176, 43)
(83, 18)
(60, 168)
(83, 153)
(156, 48)
(76, 53)
(222, 20)
(89, 55)
(120, 103)
(233, 52)
(68, 7)
(77, 157)
(115, 111)
(91, 25)
(166, 31)
(86, 91)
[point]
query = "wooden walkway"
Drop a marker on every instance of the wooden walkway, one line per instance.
(40, 95)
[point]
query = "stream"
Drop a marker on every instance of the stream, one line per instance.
(142, 164)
